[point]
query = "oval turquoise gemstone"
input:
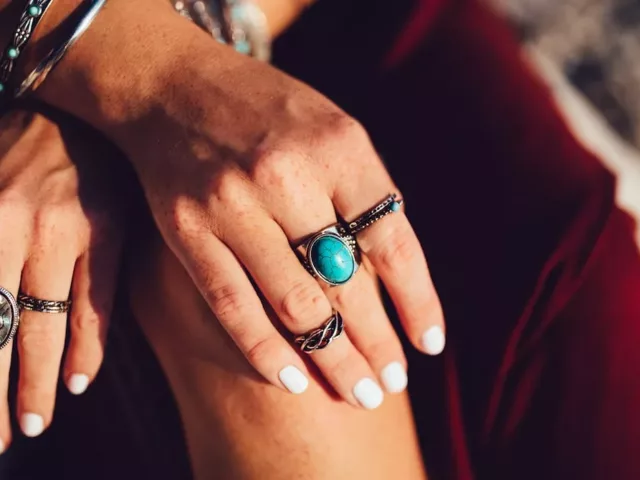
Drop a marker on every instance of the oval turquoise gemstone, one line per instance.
(332, 259)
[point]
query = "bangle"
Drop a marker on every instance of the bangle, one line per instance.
(240, 23)
(33, 11)
(44, 68)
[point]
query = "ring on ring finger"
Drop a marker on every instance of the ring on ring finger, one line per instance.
(27, 302)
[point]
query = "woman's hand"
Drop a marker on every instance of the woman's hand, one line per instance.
(239, 163)
(61, 239)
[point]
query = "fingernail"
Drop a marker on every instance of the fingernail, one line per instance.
(293, 379)
(31, 424)
(78, 383)
(368, 393)
(394, 377)
(2, 447)
(433, 341)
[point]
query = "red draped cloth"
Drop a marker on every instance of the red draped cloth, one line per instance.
(536, 267)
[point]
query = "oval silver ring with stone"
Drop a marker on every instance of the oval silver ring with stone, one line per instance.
(331, 255)
(9, 317)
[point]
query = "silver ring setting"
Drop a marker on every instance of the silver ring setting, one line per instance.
(9, 317)
(390, 204)
(27, 302)
(321, 337)
(331, 255)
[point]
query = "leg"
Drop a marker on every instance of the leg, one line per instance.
(239, 427)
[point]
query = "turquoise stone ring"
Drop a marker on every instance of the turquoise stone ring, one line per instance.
(331, 255)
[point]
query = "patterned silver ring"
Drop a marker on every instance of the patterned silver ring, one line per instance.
(27, 302)
(390, 204)
(9, 317)
(321, 337)
(331, 255)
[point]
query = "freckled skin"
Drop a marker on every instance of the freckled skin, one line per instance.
(332, 259)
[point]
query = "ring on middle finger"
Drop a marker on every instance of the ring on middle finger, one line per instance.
(331, 255)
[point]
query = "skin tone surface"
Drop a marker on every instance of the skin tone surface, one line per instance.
(239, 427)
(238, 163)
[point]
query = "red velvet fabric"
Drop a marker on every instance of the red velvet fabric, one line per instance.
(536, 267)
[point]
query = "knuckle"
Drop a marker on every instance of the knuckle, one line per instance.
(270, 166)
(339, 366)
(305, 304)
(262, 351)
(230, 305)
(344, 128)
(87, 322)
(42, 341)
(399, 247)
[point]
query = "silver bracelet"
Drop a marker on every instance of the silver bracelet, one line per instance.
(44, 68)
(240, 23)
(33, 11)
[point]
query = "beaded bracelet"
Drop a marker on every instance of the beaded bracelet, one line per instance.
(31, 16)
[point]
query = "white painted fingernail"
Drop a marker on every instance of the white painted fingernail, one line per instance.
(293, 379)
(368, 393)
(78, 383)
(394, 377)
(433, 341)
(31, 424)
(2, 447)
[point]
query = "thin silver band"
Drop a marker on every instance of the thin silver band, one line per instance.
(40, 73)
(27, 302)
(389, 205)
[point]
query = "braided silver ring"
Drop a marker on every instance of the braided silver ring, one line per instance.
(9, 317)
(391, 204)
(321, 337)
(27, 302)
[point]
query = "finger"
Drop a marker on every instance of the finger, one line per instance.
(396, 254)
(41, 338)
(358, 300)
(11, 261)
(232, 298)
(300, 303)
(93, 291)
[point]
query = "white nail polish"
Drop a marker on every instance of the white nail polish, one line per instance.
(368, 393)
(293, 379)
(31, 424)
(433, 341)
(394, 377)
(2, 447)
(78, 383)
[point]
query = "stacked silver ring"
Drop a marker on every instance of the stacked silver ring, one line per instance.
(391, 204)
(332, 255)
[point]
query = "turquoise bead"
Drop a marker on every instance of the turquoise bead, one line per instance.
(12, 53)
(332, 259)
(1, 87)
(35, 10)
(395, 206)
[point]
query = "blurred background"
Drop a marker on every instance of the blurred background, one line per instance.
(588, 53)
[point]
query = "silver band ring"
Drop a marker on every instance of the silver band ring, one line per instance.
(391, 204)
(321, 337)
(331, 255)
(27, 302)
(9, 317)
